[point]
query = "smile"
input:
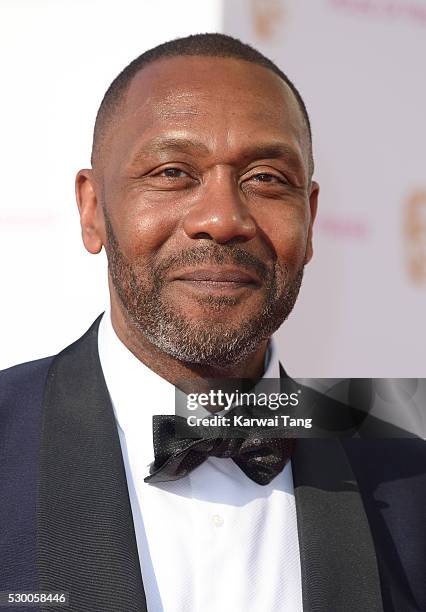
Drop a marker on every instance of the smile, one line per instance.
(220, 274)
(218, 280)
(216, 286)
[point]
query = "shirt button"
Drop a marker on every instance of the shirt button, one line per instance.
(217, 520)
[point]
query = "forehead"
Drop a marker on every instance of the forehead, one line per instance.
(223, 100)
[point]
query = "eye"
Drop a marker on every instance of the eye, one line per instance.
(265, 177)
(172, 173)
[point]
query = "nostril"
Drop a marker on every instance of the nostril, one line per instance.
(238, 239)
(203, 235)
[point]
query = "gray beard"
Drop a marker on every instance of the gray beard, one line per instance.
(206, 343)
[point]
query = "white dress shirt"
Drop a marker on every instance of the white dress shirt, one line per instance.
(214, 541)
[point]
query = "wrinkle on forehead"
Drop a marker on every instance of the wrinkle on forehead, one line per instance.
(165, 105)
(179, 105)
(185, 82)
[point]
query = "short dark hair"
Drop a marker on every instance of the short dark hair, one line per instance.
(210, 44)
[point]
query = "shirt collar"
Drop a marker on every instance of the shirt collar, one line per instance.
(136, 391)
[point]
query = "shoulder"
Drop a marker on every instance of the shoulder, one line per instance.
(22, 382)
(24, 378)
(21, 397)
(22, 392)
(390, 460)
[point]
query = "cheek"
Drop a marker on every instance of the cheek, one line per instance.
(288, 238)
(145, 228)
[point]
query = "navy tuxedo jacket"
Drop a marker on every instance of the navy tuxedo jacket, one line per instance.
(66, 521)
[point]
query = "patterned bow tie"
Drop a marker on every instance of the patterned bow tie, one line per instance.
(260, 458)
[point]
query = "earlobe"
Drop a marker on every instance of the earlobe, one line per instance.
(313, 206)
(88, 207)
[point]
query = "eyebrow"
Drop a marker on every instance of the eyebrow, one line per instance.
(274, 150)
(175, 144)
(267, 150)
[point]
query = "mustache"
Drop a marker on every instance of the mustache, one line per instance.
(212, 254)
(202, 254)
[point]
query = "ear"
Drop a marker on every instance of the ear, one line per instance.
(313, 205)
(91, 217)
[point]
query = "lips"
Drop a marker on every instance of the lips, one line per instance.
(219, 275)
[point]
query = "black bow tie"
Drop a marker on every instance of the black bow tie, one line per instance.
(260, 458)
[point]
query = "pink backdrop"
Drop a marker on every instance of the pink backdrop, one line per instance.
(360, 67)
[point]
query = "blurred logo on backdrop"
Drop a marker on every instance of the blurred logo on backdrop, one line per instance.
(339, 226)
(267, 16)
(414, 228)
(389, 9)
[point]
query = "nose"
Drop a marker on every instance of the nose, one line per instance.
(222, 214)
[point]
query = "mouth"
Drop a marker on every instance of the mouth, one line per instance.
(218, 280)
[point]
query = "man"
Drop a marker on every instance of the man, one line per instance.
(201, 192)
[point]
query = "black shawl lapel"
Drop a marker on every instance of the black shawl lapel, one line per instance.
(86, 540)
(338, 560)
(337, 553)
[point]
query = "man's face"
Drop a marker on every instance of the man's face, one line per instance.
(207, 206)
